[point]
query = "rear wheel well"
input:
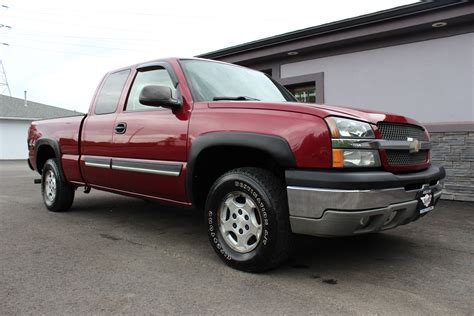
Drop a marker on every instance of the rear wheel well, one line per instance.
(213, 162)
(44, 153)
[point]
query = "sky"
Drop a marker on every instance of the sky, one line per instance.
(59, 50)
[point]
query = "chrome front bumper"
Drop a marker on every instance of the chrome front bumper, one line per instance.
(341, 212)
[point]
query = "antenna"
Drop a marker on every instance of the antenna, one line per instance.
(3, 80)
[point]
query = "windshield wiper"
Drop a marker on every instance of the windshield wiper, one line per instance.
(239, 98)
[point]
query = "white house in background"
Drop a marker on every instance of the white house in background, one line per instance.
(15, 119)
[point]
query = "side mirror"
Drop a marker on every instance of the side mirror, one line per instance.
(158, 96)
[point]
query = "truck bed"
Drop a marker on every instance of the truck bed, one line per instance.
(66, 131)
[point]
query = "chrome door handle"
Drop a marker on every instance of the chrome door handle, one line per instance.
(120, 128)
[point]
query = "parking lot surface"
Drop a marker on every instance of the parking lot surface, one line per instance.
(112, 254)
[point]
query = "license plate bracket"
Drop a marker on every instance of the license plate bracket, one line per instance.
(425, 199)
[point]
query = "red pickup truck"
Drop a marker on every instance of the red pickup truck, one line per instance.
(232, 141)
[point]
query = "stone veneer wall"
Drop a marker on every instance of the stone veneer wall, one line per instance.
(455, 151)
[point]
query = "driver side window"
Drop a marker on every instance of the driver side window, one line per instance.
(159, 76)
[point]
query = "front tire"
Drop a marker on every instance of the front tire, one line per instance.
(248, 221)
(58, 195)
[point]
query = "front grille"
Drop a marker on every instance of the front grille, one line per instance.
(404, 157)
(396, 131)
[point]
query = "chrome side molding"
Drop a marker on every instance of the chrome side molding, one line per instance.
(165, 168)
(159, 168)
(97, 162)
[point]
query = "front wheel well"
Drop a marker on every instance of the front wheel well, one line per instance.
(213, 162)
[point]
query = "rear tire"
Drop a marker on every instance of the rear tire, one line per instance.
(58, 195)
(248, 221)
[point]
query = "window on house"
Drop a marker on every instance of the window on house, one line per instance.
(306, 88)
(304, 93)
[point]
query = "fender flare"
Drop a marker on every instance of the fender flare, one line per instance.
(54, 144)
(275, 146)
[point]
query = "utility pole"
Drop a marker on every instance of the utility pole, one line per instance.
(4, 87)
(3, 80)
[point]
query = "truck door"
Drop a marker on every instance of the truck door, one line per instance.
(99, 128)
(149, 156)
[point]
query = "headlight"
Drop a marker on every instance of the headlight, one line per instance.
(346, 128)
(346, 133)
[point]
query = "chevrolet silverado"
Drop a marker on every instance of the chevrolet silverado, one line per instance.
(232, 141)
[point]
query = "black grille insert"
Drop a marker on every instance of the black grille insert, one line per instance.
(404, 157)
(396, 131)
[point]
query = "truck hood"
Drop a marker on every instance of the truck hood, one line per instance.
(320, 110)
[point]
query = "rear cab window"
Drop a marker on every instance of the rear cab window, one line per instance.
(109, 95)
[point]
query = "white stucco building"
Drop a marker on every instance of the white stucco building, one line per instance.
(15, 119)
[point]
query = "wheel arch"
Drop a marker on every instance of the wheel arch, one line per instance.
(268, 150)
(46, 148)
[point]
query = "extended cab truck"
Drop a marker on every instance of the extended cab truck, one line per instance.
(230, 140)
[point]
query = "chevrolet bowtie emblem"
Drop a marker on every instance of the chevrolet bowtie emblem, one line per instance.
(415, 145)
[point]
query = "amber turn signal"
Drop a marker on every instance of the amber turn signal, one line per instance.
(337, 158)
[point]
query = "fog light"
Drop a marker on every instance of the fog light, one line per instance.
(439, 24)
(364, 221)
(390, 217)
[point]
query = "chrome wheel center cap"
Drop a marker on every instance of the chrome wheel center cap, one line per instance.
(49, 187)
(239, 222)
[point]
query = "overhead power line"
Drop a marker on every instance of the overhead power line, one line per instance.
(25, 33)
(85, 13)
(89, 25)
(61, 52)
(73, 44)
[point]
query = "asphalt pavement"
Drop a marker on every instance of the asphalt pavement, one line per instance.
(118, 255)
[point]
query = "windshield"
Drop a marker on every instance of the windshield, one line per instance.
(213, 81)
